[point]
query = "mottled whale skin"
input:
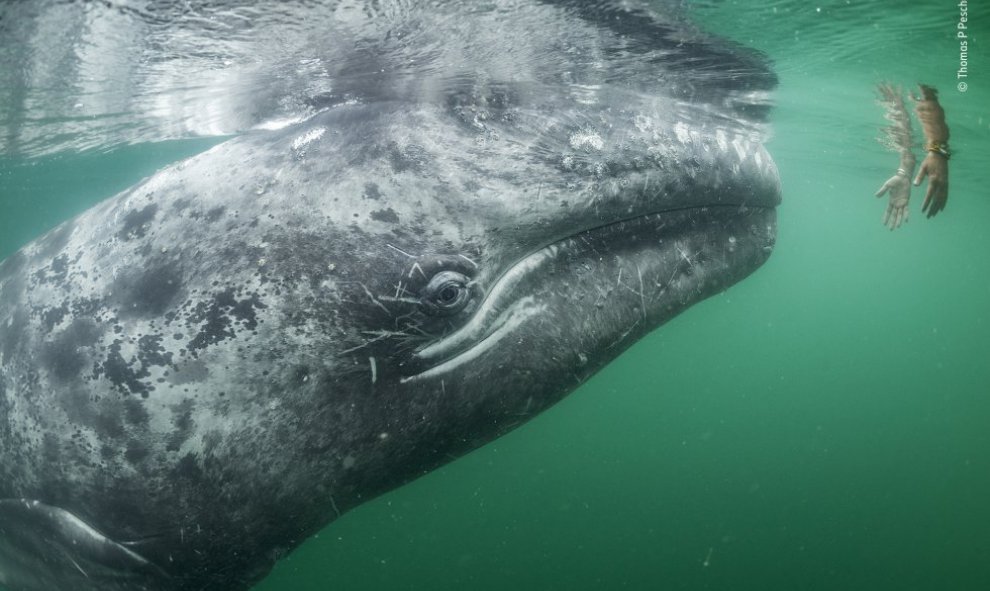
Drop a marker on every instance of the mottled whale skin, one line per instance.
(204, 370)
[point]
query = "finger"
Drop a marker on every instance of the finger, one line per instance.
(888, 217)
(941, 197)
(907, 214)
(883, 189)
(921, 174)
(929, 199)
(898, 218)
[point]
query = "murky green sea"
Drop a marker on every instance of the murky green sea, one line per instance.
(823, 425)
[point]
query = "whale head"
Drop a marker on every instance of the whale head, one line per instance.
(475, 209)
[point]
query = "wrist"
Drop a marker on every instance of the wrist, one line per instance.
(906, 167)
(940, 148)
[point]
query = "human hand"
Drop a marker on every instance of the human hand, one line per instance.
(897, 207)
(928, 93)
(890, 93)
(936, 168)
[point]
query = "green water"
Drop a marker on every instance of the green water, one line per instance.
(823, 425)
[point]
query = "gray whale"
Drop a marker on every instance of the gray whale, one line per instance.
(487, 207)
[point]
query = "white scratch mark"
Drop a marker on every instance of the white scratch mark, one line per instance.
(76, 564)
(469, 260)
(301, 141)
(402, 300)
(397, 249)
(416, 267)
(623, 335)
(642, 297)
(383, 335)
(586, 140)
(374, 299)
(374, 369)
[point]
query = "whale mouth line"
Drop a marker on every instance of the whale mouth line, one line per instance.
(518, 313)
(501, 312)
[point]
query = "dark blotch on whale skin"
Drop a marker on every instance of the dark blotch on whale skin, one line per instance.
(136, 452)
(135, 413)
(136, 221)
(188, 469)
(215, 214)
(183, 422)
(371, 191)
(108, 425)
(129, 376)
(496, 102)
(62, 356)
(120, 373)
(51, 317)
(412, 157)
(150, 292)
(56, 272)
(86, 306)
(211, 215)
(50, 449)
(216, 317)
(151, 352)
(180, 204)
(104, 415)
(385, 215)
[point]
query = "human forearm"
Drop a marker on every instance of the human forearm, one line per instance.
(907, 163)
(897, 135)
(935, 166)
(931, 115)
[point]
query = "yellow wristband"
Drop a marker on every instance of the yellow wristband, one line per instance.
(939, 148)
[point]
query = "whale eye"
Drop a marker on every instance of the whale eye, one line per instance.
(447, 293)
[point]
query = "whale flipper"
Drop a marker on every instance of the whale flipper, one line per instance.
(45, 547)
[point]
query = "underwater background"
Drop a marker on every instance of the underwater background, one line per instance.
(822, 425)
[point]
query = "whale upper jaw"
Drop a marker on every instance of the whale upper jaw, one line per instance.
(682, 227)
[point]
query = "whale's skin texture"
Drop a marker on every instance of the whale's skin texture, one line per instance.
(201, 372)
